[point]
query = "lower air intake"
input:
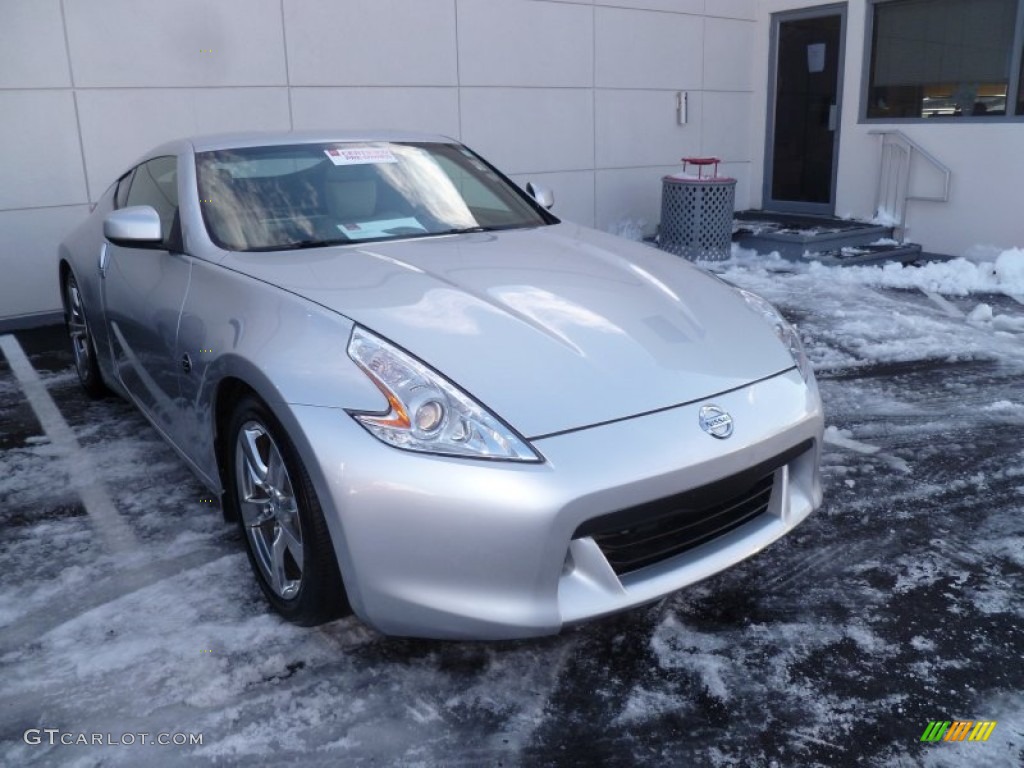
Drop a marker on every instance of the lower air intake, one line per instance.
(646, 534)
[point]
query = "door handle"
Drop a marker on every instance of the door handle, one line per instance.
(104, 260)
(833, 113)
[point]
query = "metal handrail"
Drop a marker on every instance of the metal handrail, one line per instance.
(898, 151)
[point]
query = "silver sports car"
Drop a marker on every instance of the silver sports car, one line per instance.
(427, 400)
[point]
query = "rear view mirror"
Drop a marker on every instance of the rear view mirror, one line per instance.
(134, 227)
(543, 195)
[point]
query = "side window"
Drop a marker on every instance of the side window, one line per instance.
(121, 195)
(942, 58)
(156, 183)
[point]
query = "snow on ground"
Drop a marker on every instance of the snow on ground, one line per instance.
(898, 603)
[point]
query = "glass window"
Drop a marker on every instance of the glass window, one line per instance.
(941, 58)
(312, 195)
(156, 183)
(473, 191)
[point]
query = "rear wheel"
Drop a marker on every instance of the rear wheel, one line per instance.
(286, 535)
(82, 346)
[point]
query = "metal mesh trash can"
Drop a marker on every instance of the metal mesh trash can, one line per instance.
(697, 211)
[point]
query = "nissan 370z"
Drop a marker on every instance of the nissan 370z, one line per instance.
(427, 400)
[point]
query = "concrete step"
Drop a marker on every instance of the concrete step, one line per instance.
(866, 255)
(793, 236)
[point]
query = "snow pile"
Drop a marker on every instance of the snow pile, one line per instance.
(885, 219)
(845, 321)
(982, 316)
(701, 176)
(631, 229)
(958, 277)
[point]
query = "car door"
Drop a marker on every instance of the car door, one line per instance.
(143, 291)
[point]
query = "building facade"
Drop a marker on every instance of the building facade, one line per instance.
(596, 99)
(940, 76)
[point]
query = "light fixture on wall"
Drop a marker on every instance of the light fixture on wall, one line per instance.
(682, 103)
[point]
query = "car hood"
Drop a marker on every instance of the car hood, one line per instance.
(553, 329)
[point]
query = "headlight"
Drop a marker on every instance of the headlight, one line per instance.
(787, 333)
(427, 412)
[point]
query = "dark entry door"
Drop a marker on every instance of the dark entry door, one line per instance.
(803, 110)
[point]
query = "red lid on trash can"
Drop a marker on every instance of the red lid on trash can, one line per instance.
(701, 163)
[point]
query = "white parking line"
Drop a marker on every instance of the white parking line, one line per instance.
(82, 473)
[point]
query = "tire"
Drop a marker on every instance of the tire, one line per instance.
(82, 346)
(286, 536)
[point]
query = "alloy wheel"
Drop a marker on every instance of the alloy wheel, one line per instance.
(270, 513)
(78, 330)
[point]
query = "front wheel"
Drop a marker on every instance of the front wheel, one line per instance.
(82, 346)
(286, 536)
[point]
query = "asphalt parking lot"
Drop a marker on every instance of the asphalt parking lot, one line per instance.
(899, 603)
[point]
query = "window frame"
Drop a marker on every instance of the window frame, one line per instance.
(126, 182)
(1014, 82)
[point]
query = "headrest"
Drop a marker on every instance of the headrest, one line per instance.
(352, 200)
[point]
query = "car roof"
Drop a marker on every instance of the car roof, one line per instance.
(219, 141)
(210, 142)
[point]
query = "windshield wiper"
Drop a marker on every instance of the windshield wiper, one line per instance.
(461, 230)
(299, 245)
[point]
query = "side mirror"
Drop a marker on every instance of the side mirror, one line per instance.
(135, 227)
(543, 195)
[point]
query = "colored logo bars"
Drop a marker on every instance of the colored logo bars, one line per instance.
(958, 730)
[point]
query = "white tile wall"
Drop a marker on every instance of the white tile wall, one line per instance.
(371, 42)
(40, 158)
(28, 257)
(732, 9)
(742, 173)
(32, 51)
(530, 130)
(623, 140)
(119, 43)
(726, 119)
(673, 6)
(637, 49)
(630, 194)
(521, 42)
(574, 193)
(723, 69)
(434, 110)
(118, 125)
(575, 94)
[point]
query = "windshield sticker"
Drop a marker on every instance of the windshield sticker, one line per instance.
(364, 230)
(360, 155)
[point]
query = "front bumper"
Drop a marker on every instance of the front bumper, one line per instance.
(442, 547)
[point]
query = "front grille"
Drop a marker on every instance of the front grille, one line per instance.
(648, 533)
(680, 530)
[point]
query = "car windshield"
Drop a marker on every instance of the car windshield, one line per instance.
(310, 195)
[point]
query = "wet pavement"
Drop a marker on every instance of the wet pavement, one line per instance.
(898, 603)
